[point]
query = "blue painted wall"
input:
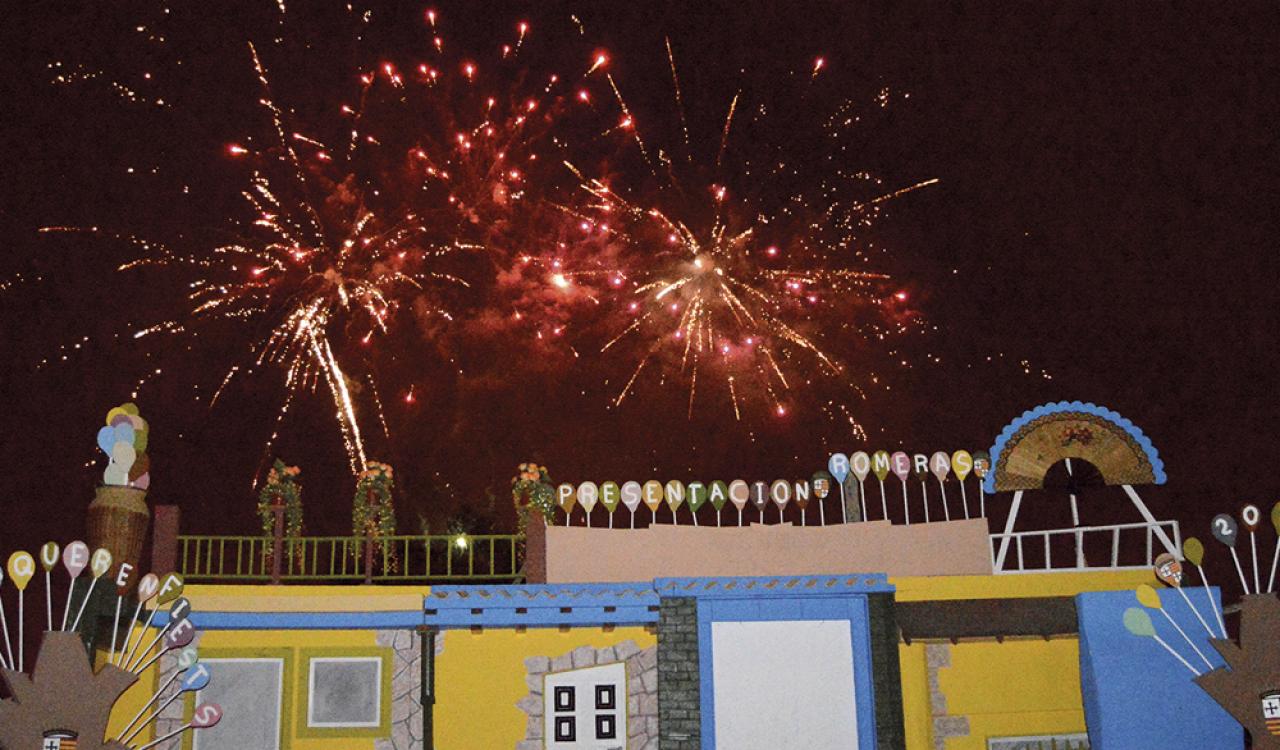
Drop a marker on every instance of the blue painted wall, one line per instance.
(1137, 696)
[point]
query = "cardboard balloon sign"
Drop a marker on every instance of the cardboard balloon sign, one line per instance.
(675, 494)
(124, 440)
(63, 704)
(1244, 675)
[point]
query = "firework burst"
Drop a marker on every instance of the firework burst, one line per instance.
(765, 288)
(370, 223)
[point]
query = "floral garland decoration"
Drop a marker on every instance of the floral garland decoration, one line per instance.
(532, 490)
(282, 483)
(373, 516)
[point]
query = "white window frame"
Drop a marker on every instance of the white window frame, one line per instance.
(584, 713)
(279, 696)
(311, 692)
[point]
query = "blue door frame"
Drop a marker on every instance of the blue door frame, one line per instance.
(837, 600)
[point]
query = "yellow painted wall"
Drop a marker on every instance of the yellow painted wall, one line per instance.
(480, 676)
(1022, 687)
(259, 598)
(917, 718)
(1013, 689)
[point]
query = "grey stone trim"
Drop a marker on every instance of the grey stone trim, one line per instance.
(938, 657)
(642, 690)
(406, 689)
(679, 707)
(886, 673)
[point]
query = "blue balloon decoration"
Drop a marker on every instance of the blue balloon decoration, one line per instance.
(123, 433)
(196, 677)
(106, 439)
(838, 465)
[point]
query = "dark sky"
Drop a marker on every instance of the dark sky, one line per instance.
(1106, 212)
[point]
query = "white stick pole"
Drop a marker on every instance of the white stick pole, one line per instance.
(1253, 543)
(1271, 583)
(946, 510)
(862, 497)
(924, 490)
(906, 511)
(844, 516)
(66, 609)
(964, 499)
(147, 705)
(48, 597)
(822, 513)
(1239, 570)
(4, 623)
(884, 503)
(165, 738)
(1175, 655)
(802, 521)
(83, 603)
(22, 621)
(1212, 604)
(1199, 617)
(115, 630)
(143, 654)
(141, 634)
(1186, 638)
(133, 623)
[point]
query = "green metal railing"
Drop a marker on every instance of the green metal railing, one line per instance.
(407, 559)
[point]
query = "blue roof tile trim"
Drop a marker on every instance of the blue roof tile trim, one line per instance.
(774, 586)
(544, 605)
(596, 604)
(1157, 466)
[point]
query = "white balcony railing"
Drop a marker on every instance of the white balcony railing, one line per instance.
(1117, 547)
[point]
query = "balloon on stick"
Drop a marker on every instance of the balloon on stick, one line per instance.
(610, 494)
(195, 675)
(821, 488)
(148, 587)
(22, 567)
(962, 464)
(719, 496)
(205, 716)
(860, 465)
(122, 588)
(839, 469)
(739, 493)
(99, 564)
(631, 499)
(674, 492)
(1275, 558)
(178, 636)
(880, 467)
(588, 495)
(1169, 570)
(981, 465)
(49, 555)
(1226, 531)
(1193, 550)
(1148, 597)
(901, 467)
(697, 498)
(4, 625)
(74, 558)
(566, 496)
(1138, 622)
(920, 470)
(1251, 517)
(178, 614)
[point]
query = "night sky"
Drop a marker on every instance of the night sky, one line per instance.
(1105, 213)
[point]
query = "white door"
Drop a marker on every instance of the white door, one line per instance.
(784, 685)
